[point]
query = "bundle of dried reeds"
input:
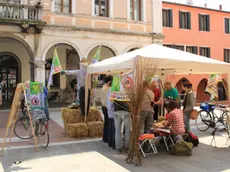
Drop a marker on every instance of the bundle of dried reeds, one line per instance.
(135, 94)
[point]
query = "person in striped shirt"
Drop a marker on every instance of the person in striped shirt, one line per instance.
(175, 119)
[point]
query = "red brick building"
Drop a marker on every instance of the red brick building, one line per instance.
(200, 31)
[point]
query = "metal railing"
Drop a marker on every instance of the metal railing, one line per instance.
(10, 11)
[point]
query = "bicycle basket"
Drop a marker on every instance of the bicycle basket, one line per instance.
(204, 106)
(207, 107)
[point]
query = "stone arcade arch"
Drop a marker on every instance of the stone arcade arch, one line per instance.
(10, 75)
(106, 52)
(180, 82)
(12, 57)
(201, 95)
(222, 90)
(23, 50)
(69, 59)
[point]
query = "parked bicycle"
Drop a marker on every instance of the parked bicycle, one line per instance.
(207, 118)
(23, 129)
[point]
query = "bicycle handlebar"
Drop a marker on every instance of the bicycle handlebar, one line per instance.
(221, 105)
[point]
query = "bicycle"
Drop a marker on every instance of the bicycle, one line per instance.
(23, 122)
(40, 126)
(207, 118)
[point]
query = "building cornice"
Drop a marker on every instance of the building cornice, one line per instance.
(195, 7)
(96, 18)
(111, 31)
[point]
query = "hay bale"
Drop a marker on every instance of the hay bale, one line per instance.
(70, 116)
(65, 127)
(78, 130)
(94, 115)
(95, 129)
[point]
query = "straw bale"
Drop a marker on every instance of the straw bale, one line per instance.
(95, 129)
(94, 115)
(65, 127)
(78, 130)
(70, 116)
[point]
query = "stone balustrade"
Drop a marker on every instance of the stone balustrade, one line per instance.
(10, 11)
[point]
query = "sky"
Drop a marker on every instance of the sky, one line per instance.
(213, 4)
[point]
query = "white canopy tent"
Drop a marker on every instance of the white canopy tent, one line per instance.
(167, 60)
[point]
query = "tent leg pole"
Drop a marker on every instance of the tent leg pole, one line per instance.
(228, 86)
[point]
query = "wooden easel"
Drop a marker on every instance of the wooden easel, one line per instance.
(13, 116)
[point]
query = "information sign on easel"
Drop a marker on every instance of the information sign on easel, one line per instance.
(33, 92)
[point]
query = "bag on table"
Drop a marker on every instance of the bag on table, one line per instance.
(182, 149)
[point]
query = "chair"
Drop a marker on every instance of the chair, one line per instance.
(147, 138)
(222, 129)
(166, 137)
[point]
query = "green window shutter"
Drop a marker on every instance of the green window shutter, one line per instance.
(170, 18)
(180, 19)
(200, 28)
(208, 22)
(189, 20)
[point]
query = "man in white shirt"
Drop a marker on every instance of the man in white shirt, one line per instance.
(104, 93)
(81, 75)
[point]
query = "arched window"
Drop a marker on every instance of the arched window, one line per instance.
(102, 8)
(63, 6)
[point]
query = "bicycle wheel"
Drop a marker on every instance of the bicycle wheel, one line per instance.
(203, 120)
(43, 134)
(223, 119)
(22, 128)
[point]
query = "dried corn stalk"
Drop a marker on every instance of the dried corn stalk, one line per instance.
(143, 70)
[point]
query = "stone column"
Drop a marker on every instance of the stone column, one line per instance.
(31, 70)
(157, 16)
(39, 71)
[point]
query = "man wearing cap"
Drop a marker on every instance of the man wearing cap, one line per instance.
(81, 75)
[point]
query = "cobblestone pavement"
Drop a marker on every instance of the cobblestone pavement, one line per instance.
(87, 156)
(96, 156)
(55, 129)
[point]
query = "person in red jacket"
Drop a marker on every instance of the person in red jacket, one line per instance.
(157, 96)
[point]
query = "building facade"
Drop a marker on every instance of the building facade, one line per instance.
(31, 30)
(200, 31)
